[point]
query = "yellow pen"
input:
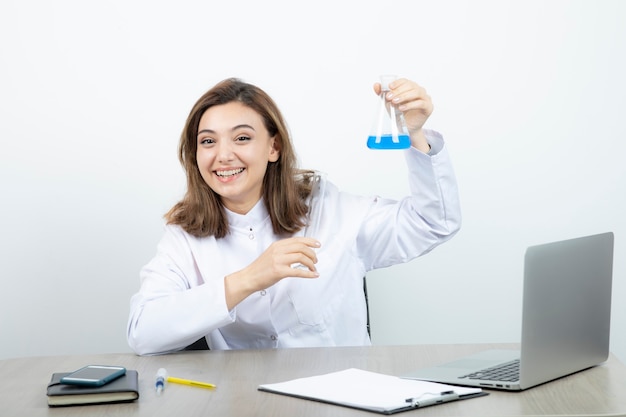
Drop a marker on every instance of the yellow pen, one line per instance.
(190, 382)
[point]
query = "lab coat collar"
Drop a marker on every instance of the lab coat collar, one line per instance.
(255, 217)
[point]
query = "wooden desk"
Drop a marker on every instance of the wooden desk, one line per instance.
(597, 391)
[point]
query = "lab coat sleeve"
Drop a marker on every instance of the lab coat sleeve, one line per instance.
(175, 305)
(397, 231)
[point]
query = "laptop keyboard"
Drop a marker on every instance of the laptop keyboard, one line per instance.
(506, 372)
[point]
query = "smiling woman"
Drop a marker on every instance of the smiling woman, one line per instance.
(220, 269)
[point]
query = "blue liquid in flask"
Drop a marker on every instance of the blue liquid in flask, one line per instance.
(386, 141)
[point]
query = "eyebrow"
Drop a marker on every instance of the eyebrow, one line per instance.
(241, 126)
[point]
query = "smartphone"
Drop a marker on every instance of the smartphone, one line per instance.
(94, 375)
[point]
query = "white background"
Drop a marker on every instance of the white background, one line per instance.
(530, 96)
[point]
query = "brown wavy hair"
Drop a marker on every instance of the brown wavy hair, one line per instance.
(201, 212)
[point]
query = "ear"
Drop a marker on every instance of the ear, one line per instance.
(274, 151)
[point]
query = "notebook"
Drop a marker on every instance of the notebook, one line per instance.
(122, 389)
(566, 311)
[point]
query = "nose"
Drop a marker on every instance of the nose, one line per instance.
(225, 151)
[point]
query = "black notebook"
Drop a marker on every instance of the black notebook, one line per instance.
(122, 389)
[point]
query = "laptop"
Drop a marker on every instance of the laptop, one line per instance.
(566, 316)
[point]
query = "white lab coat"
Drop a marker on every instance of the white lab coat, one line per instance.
(182, 298)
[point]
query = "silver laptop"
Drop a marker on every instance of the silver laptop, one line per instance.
(565, 320)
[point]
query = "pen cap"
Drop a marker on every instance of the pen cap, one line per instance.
(161, 373)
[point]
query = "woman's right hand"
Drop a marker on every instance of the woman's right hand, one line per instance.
(275, 263)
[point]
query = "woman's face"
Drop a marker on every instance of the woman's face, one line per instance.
(234, 148)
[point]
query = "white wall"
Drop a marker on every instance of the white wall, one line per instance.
(529, 94)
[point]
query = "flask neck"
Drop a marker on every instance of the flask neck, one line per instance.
(385, 80)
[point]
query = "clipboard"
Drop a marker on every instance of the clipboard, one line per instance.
(371, 391)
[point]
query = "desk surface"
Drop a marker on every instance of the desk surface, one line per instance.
(597, 391)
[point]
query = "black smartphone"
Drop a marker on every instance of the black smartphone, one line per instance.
(94, 375)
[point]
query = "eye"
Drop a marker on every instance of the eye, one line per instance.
(242, 138)
(206, 141)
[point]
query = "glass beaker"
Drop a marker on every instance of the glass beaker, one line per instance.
(389, 130)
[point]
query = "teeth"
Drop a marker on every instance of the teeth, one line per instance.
(229, 172)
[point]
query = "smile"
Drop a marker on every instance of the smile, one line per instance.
(229, 173)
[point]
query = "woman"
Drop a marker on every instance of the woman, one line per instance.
(234, 266)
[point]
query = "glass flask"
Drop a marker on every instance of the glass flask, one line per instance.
(315, 202)
(389, 130)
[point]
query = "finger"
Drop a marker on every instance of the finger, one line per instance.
(401, 96)
(301, 271)
(297, 251)
(305, 264)
(413, 99)
(307, 241)
(402, 85)
(424, 105)
(306, 256)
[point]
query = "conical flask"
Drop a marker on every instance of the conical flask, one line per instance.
(389, 130)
